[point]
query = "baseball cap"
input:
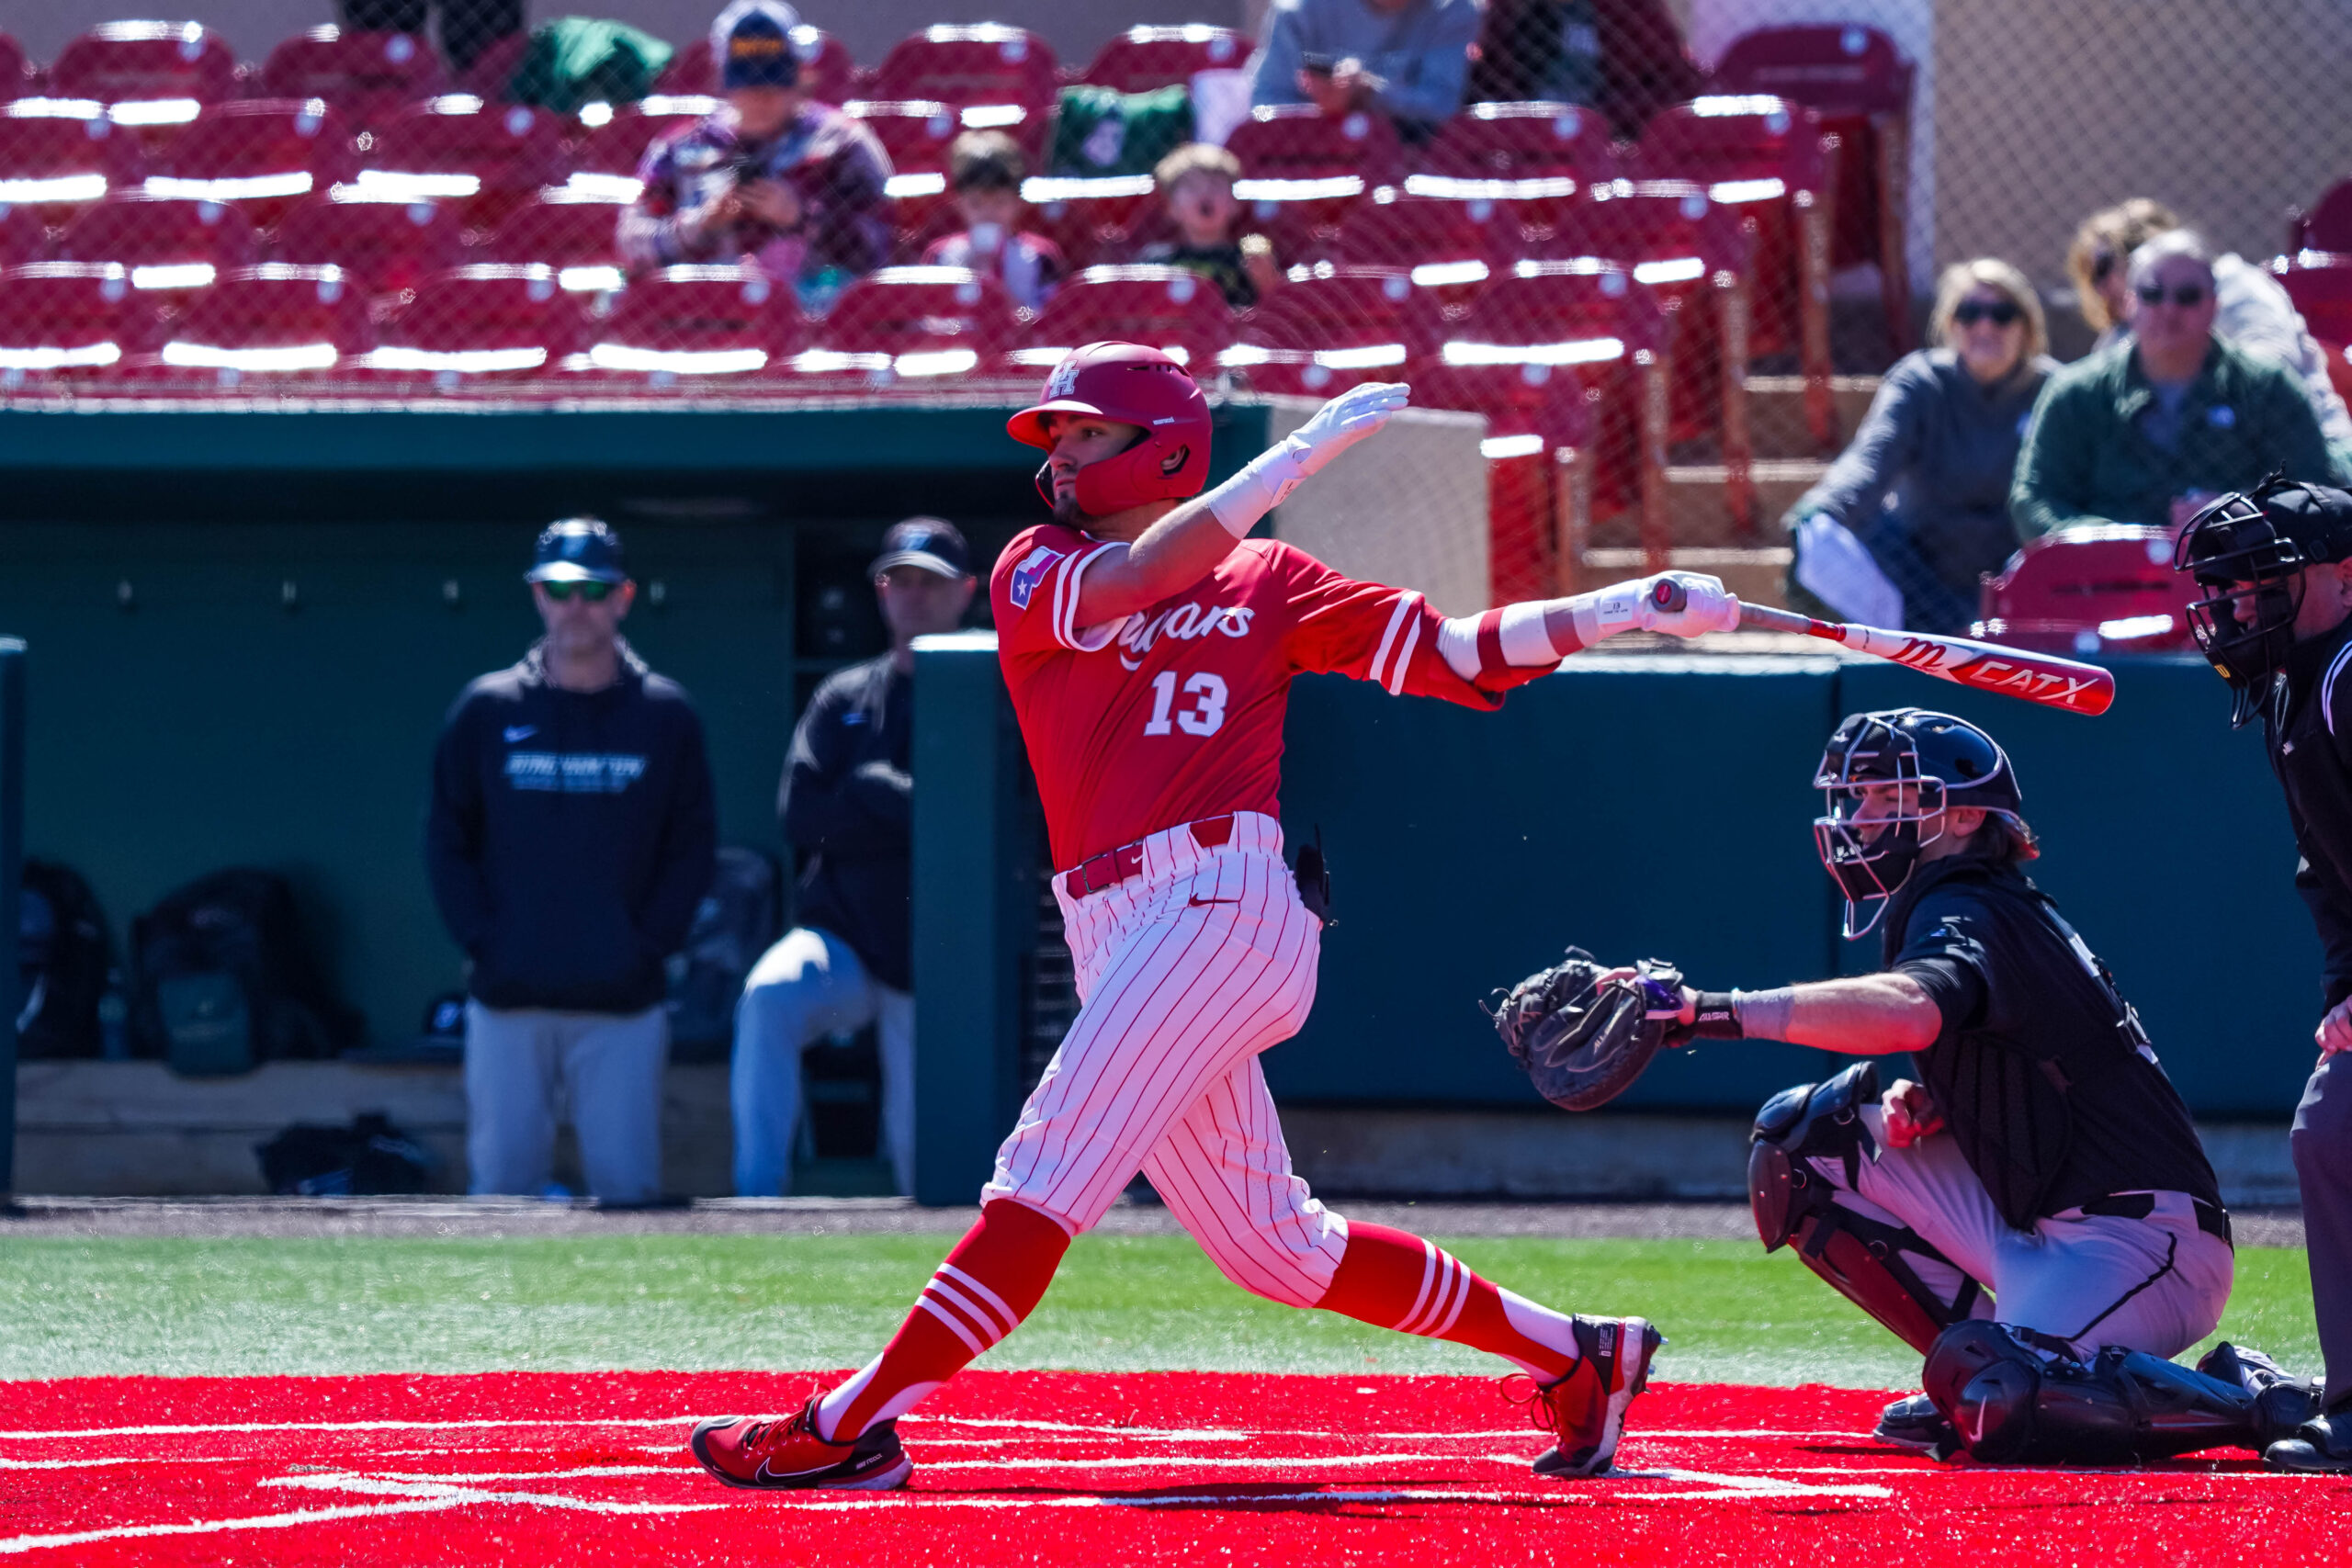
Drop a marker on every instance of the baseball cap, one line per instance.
(577, 549)
(751, 43)
(928, 543)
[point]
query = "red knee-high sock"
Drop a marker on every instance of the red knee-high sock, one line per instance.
(977, 1296)
(1395, 1280)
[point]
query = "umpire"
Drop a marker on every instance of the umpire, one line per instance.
(571, 834)
(847, 805)
(2276, 563)
(2043, 1158)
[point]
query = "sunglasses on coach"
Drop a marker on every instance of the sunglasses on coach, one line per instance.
(2187, 296)
(592, 591)
(2000, 313)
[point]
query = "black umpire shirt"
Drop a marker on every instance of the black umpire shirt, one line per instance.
(570, 836)
(2307, 724)
(2051, 1102)
(847, 802)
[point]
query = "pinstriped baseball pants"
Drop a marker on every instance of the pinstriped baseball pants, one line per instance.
(1185, 973)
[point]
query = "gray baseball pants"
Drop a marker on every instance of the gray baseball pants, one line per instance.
(2321, 1143)
(527, 1069)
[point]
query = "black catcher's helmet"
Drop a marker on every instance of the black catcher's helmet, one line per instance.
(1934, 760)
(2248, 551)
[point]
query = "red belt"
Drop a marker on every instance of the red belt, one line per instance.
(1114, 866)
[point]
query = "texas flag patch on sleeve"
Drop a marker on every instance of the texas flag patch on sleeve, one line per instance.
(1029, 574)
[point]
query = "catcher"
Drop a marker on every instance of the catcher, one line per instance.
(2035, 1214)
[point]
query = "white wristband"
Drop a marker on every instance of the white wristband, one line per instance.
(1607, 612)
(1263, 484)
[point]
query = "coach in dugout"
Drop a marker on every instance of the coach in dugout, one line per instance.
(571, 834)
(847, 805)
(2276, 563)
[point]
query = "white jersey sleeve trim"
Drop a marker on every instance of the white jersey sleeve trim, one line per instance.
(1404, 659)
(2327, 685)
(1380, 673)
(1067, 631)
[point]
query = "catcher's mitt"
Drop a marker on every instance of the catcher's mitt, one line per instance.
(1583, 1044)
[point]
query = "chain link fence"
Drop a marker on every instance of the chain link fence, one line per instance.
(1664, 250)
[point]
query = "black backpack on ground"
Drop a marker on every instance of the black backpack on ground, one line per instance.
(63, 957)
(370, 1156)
(739, 920)
(223, 980)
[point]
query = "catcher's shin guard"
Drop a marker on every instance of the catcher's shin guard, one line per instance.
(1865, 1260)
(2013, 1404)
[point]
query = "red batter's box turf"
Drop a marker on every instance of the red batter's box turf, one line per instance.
(525, 1469)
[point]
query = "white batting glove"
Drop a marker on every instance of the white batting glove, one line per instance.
(1707, 606)
(1266, 482)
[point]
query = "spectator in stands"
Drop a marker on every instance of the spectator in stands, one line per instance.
(1407, 59)
(1624, 58)
(2252, 309)
(2150, 428)
(572, 832)
(1196, 187)
(1917, 505)
(794, 185)
(847, 802)
(985, 169)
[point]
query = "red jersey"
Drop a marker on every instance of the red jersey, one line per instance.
(1175, 712)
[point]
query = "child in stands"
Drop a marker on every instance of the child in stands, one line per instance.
(1196, 187)
(985, 169)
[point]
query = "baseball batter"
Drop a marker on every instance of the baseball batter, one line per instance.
(1149, 646)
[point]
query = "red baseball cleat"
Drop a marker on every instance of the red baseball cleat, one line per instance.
(773, 1451)
(1586, 1406)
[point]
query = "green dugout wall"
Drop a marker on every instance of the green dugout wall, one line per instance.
(1639, 807)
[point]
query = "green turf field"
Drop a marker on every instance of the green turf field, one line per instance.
(188, 1307)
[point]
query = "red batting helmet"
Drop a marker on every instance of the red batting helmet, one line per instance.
(1134, 385)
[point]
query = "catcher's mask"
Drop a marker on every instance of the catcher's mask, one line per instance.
(1887, 780)
(2248, 551)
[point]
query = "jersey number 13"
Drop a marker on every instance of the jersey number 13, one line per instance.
(1204, 716)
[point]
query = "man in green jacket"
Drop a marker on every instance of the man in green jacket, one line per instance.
(2151, 428)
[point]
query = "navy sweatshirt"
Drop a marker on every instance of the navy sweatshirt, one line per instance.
(847, 803)
(570, 836)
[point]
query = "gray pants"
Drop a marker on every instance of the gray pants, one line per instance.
(805, 988)
(2157, 1284)
(526, 1068)
(2322, 1142)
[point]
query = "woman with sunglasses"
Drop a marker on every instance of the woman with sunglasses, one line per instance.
(2150, 428)
(2252, 310)
(1917, 505)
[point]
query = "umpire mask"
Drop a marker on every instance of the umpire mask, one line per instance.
(1886, 780)
(2248, 551)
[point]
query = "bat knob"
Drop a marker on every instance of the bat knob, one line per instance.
(1669, 594)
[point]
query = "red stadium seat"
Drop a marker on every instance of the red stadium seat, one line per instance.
(1333, 326)
(270, 320)
(910, 323)
(2320, 283)
(1859, 83)
(570, 231)
(1451, 245)
(495, 67)
(616, 144)
(18, 77)
(1144, 57)
(57, 155)
(988, 63)
(484, 159)
(263, 155)
(1166, 307)
(1767, 157)
(23, 236)
(383, 246)
(172, 245)
(916, 133)
(153, 76)
(1590, 316)
(1535, 161)
(1299, 164)
(1090, 219)
(369, 77)
(2107, 588)
(827, 72)
(1697, 259)
(687, 326)
(482, 324)
(67, 321)
(2328, 225)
